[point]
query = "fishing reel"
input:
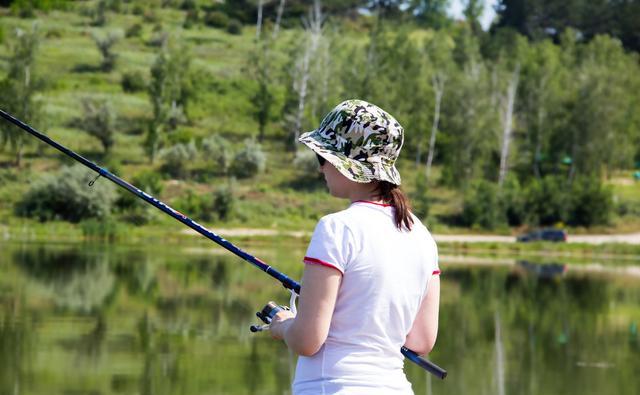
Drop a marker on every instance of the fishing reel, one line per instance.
(266, 315)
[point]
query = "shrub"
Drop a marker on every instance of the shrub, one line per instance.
(149, 182)
(188, 5)
(420, 197)
(105, 46)
(482, 206)
(99, 121)
(134, 30)
(195, 206)
(190, 19)
(513, 202)
(546, 200)
(224, 202)
(216, 19)
(1, 34)
(100, 13)
(234, 27)
(591, 203)
(176, 159)
(250, 161)
(133, 81)
(67, 196)
(306, 162)
(217, 151)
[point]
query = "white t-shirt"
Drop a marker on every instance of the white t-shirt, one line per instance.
(386, 273)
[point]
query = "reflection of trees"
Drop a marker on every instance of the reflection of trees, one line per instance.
(546, 327)
(15, 351)
(74, 279)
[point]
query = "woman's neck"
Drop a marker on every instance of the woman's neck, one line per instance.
(366, 192)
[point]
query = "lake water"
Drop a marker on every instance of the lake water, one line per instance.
(107, 319)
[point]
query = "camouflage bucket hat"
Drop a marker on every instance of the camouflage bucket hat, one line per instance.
(361, 140)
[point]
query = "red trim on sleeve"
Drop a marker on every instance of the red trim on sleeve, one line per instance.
(376, 203)
(436, 272)
(315, 261)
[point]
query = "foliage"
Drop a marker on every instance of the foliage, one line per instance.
(482, 206)
(262, 99)
(590, 203)
(27, 8)
(218, 151)
(224, 202)
(170, 91)
(420, 201)
(67, 196)
(216, 19)
(19, 89)
(134, 30)
(99, 121)
(543, 18)
(176, 159)
(234, 27)
(250, 161)
(100, 13)
(306, 162)
(218, 205)
(105, 46)
(133, 81)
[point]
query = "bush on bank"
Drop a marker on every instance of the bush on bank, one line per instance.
(67, 196)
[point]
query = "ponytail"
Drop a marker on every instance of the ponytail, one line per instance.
(392, 194)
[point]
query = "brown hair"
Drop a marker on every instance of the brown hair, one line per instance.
(392, 194)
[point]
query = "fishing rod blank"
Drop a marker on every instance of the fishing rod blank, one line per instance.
(284, 280)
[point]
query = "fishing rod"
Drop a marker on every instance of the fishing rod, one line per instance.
(287, 282)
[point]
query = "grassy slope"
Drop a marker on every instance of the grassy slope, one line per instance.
(68, 60)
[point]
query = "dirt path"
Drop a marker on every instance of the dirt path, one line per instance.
(630, 238)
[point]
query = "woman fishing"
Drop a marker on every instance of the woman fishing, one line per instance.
(370, 282)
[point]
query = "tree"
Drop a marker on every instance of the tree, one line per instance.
(99, 121)
(262, 99)
(170, 90)
(19, 89)
(432, 13)
(105, 46)
(539, 19)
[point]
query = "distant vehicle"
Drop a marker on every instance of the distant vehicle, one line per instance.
(549, 234)
(543, 271)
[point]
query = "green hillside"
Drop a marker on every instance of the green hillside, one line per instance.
(223, 83)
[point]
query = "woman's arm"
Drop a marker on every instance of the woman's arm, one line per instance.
(307, 332)
(422, 336)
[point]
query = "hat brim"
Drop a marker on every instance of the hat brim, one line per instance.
(355, 170)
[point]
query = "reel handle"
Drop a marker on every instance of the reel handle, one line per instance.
(266, 315)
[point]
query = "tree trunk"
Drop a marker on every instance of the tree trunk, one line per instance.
(259, 21)
(438, 86)
(276, 28)
(508, 124)
(314, 30)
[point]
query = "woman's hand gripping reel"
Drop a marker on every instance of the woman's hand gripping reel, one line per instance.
(269, 311)
(266, 315)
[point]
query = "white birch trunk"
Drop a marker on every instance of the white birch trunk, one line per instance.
(259, 21)
(507, 123)
(438, 87)
(276, 28)
(314, 33)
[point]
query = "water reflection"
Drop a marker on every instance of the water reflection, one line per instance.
(168, 321)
